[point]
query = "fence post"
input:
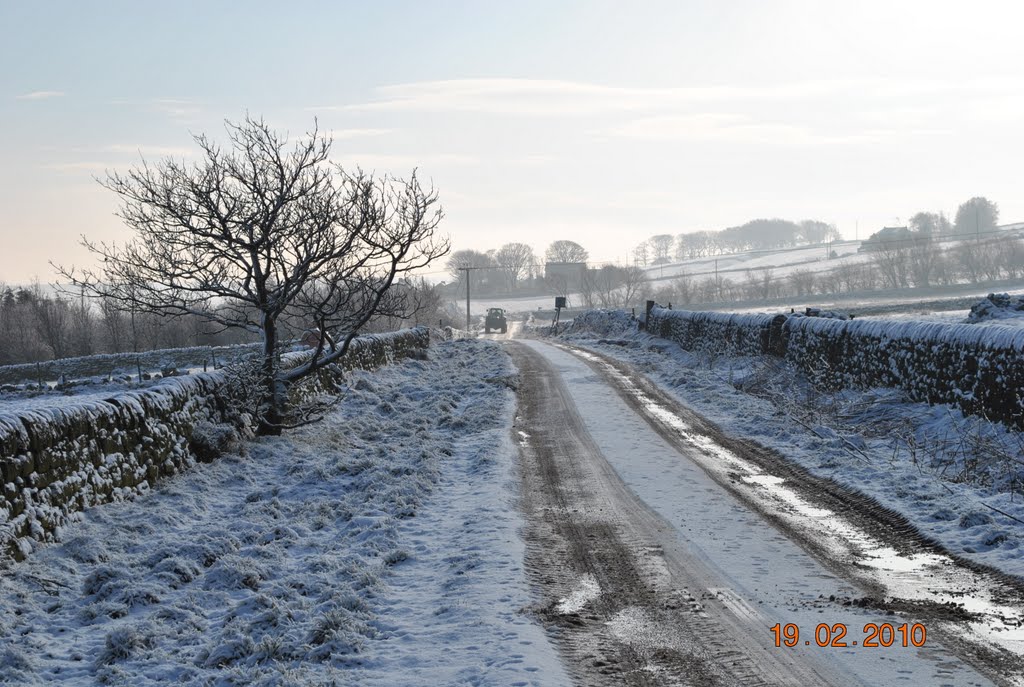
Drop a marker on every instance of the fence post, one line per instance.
(647, 314)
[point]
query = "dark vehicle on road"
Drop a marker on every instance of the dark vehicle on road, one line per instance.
(495, 320)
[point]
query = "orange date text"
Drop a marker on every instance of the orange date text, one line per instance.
(837, 635)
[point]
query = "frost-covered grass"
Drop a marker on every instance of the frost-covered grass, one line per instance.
(281, 565)
(944, 471)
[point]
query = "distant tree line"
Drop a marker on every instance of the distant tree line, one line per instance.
(37, 323)
(921, 261)
(758, 234)
(512, 267)
(930, 251)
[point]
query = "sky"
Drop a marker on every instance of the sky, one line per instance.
(593, 121)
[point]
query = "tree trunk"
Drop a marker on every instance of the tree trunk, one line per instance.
(273, 405)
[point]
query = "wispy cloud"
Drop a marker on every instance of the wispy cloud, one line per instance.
(692, 112)
(726, 127)
(403, 164)
(344, 134)
(338, 134)
(39, 95)
(175, 108)
(546, 97)
(86, 166)
(146, 149)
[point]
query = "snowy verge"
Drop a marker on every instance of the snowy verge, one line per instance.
(959, 479)
(374, 548)
(58, 460)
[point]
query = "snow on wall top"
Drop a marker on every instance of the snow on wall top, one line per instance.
(994, 337)
(748, 319)
(163, 395)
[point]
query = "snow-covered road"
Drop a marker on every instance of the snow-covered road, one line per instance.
(654, 573)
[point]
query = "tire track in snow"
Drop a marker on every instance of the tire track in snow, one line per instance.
(588, 529)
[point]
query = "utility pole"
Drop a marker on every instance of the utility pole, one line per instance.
(466, 270)
(718, 286)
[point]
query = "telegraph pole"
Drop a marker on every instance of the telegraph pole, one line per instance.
(977, 225)
(466, 270)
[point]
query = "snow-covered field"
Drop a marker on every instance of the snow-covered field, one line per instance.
(478, 307)
(781, 261)
(98, 367)
(379, 547)
(948, 474)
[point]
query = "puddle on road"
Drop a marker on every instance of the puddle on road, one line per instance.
(587, 590)
(921, 577)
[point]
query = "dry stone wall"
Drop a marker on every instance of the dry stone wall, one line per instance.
(979, 369)
(58, 461)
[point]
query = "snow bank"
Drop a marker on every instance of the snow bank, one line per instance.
(978, 369)
(56, 461)
(998, 306)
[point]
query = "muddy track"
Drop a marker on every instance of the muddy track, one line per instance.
(616, 582)
(865, 512)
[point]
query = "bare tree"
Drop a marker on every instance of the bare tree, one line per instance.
(661, 247)
(803, 281)
(890, 257)
(923, 255)
(516, 261)
(634, 281)
(815, 231)
(82, 327)
(481, 265)
(1013, 258)
(684, 288)
(264, 231)
(696, 244)
(588, 288)
(566, 251)
(607, 282)
(52, 320)
(761, 283)
(640, 254)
